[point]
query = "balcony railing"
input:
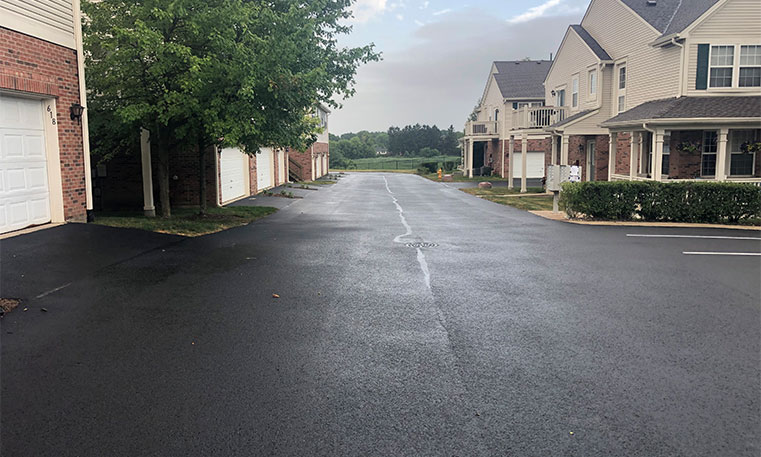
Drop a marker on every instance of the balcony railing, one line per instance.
(537, 117)
(481, 128)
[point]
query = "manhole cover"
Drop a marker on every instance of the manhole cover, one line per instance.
(421, 244)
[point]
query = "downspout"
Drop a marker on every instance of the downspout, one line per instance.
(83, 101)
(501, 140)
(681, 66)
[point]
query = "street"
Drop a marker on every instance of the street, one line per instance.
(412, 319)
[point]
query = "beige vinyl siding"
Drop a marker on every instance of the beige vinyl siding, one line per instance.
(736, 22)
(574, 57)
(652, 72)
(49, 20)
(492, 100)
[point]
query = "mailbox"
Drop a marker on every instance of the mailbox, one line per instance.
(556, 175)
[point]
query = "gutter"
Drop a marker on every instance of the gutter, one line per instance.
(83, 101)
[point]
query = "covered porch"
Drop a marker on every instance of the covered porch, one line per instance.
(681, 141)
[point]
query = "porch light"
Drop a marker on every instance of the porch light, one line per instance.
(581, 148)
(75, 112)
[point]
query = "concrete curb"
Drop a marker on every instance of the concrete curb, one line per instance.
(563, 218)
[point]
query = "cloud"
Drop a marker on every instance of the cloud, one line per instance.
(535, 12)
(444, 11)
(440, 75)
(419, 23)
(364, 10)
(425, 5)
(399, 17)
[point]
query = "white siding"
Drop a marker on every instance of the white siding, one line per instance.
(324, 137)
(737, 22)
(574, 57)
(49, 20)
(652, 72)
(492, 100)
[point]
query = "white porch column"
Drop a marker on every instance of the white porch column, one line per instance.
(721, 155)
(564, 151)
(612, 145)
(511, 150)
(554, 145)
(145, 156)
(634, 153)
(658, 155)
(524, 157)
(470, 158)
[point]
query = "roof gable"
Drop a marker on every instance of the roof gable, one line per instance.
(591, 42)
(670, 16)
(521, 78)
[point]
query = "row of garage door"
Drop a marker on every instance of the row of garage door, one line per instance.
(233, 171)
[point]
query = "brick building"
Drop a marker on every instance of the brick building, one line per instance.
(44, 147)
(314, 162)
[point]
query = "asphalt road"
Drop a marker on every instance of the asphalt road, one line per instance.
(513, 335)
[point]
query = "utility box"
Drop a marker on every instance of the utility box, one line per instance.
(556, 175)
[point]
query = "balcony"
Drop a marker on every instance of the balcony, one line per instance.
(482, 128)
(537, 117)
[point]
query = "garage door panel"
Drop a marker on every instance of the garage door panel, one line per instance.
(264, 165)
(534, 165)
(24, 193)
(232, 174)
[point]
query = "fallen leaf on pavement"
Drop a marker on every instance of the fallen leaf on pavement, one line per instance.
(275, 296)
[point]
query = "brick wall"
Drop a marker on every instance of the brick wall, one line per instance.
(307, 160)
(577, 150)
(684, 164)
(34, 66)
(623, 152)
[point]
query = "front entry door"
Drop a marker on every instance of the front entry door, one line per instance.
(590, 160)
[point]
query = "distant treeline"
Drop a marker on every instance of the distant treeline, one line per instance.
(411, 141)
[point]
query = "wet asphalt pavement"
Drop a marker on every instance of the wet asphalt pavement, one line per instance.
(513, 335)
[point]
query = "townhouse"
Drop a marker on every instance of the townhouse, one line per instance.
(660, 90)
(44, 146)
(313, 163)
(510, 124)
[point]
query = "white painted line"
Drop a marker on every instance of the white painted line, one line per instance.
(749, 254)
(45, 294)
(701, 237)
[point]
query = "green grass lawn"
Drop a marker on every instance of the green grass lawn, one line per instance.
(397, 163)
(534, 203)
(458, 177)
(376, 171)
(496, 191)
(187, 221)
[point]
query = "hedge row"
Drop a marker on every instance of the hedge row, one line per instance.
(699, 202)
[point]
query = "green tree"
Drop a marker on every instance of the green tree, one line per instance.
(198, 73)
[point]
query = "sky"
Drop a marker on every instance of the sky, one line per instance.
(437, 55)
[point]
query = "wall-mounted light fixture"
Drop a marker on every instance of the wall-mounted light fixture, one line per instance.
(553, 93)
(75, 112)
(581, 148)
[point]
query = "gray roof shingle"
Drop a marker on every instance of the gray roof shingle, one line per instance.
(692, 107)
(670, 16)
(570, 119)
(522, 78)
(591, 42)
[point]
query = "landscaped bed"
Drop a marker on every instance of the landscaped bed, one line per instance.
(187, 221)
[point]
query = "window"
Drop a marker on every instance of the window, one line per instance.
(750, 66)
(666, 161)
(622, 78)
(741, 163)
(593, 83)
(575, 92)
(560, 97)
(722, 63)
(708, 160)
(496, 115)
(622, 88)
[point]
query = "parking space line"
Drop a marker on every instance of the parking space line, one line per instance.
(703, 237)
(750, 254)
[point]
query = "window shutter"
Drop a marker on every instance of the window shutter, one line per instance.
(515, 105)
(701, 83)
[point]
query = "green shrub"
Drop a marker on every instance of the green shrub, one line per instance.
(432, 167)
(449, 165)
(700, 202)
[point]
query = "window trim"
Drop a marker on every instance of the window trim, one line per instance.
(740, 66)
(733, 67)
(557, 95)
(592, 88)
(575, 91)
(731, 153)
(621, 91)
(737, 45)
(703, 153)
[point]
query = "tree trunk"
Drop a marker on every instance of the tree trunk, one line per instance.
(163, 172)
(201, 179)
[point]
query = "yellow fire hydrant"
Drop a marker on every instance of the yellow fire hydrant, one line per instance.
(440, 172)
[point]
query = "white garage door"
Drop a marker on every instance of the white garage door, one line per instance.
(24, 194)
(232, 174)
(281, 167)
(264, 162)
(534, 165)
